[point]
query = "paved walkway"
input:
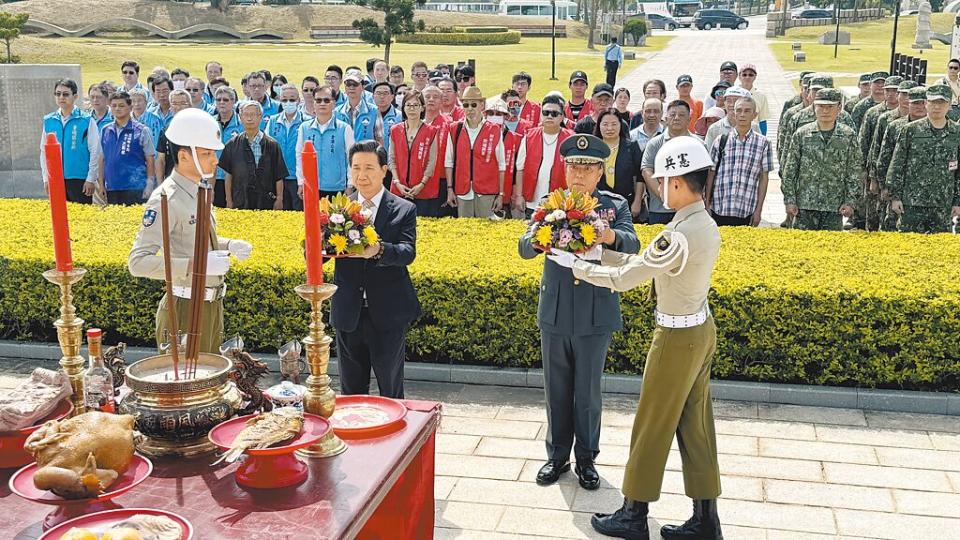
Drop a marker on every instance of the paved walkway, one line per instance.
(788, 472)
(699, 54)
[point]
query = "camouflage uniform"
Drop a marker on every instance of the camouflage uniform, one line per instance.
(797, 98)
(806, 114)
(851, 103)
(867, 216)
(883, 219)
(786, 129)
(861, 108)
(923, 173)
(822, 172)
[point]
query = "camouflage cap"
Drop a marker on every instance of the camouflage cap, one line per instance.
(905, 86)
(879, 76)
(866, 77)
(821, 80)
(828, 96)
(917, 93)
(805, 79)
(892, 82)
(939, 91)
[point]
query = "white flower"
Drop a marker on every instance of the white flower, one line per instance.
(366, 212)
(337, 219)
(558, 214)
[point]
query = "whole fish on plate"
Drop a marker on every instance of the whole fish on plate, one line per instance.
(263, 431)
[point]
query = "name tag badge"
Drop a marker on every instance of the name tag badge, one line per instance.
(952, 166)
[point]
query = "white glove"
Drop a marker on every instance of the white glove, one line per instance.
(240, 249)
(218, 262)
(593, 254)
(563, 258)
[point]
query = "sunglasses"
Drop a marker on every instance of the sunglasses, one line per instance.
(323, 100)
(194, 90)
(224, 100)
(471, 105)
(62, 94)
(552, 114)
(289, 101)
(953, 67)
(129, 72)
(419, 75)
(463, 79)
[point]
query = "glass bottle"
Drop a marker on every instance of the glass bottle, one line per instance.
(97, 380)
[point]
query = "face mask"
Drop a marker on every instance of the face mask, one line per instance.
(515, 111)
(290, 108)
(495, 119)
(179, 85)
(277, 89)
(398, 100)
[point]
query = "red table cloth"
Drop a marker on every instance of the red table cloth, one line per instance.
(380, 488)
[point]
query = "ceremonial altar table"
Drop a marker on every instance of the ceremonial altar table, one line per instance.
(380, 488)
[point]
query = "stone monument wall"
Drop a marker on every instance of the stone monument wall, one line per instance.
(26, 95)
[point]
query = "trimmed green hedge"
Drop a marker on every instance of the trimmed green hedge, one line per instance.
(481, 29)
(847, 309)
(460, 38)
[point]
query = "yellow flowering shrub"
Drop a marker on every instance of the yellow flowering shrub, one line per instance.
(846, 309)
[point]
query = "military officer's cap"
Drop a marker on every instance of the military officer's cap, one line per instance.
(821, 80)
(917, 93)
(878, 76)
(583, 148)
(939, 91)
(892, 82)
(828, 96)
(866, 77)
(905, 86)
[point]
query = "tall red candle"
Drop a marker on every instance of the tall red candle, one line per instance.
(58, 204)
(311, 215)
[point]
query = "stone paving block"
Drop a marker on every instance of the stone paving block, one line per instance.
(427, 372)
(829, 495)
(443, 485)
(773, 534)
(615, 435)
(511, 448)
(920, 459)
(893, 400)
(820, 451)
(927, 504)
(767, 467)
(876, 437)
(778, 516)
(528, 521)
(913, 421)
(734, 409)
(535, 378)
(896, 526)
(523, 414)
(740, 390)
(766, 428)
(490, 427)
(816, 415)
(448, 443)
(9, 349)
(954, 480)
(460, 515)
(462, 534)
(813, 396)
(946, 441)
(618, 418)
(542, 434)
(478, 467)
(556, 497)
(470, 410)
(953, 405)
(485, 375)
(888, 477)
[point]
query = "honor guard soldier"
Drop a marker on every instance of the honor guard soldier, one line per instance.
(675, 397)
(194, 137)
(577, 321)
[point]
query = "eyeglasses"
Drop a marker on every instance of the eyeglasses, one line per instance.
(289, 101)
(413, 105)
(471, 105)
(224, 100)
(954, 68)
(420, 74)
(351, 84)
(551, 114)
(129, 72)
(194, 90)
(62, 94)
(747, 74)
(323, 100)
(463, 79)
(382, 94)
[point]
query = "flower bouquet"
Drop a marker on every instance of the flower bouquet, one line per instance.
(346, 225)
(567, 221)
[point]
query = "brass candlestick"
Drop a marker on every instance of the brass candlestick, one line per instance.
(320, 398)
(70, 333)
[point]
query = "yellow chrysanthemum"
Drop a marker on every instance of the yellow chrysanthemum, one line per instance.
(370, 235)
(589, 233)
(544, 235)
(339, 243)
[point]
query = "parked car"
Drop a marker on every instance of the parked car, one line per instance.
(813, 14)
(662, 22)
(708, 19)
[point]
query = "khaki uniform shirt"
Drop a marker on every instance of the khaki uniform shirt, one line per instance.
(146, 259)
(681, 288)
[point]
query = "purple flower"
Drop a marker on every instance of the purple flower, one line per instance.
(353, 234)
(565, 237)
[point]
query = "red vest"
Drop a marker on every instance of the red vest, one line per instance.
(440, 123)
(530, 112)
(511, 144)
(412, 159)
(524, 125)
(456, 115)
(586, 111)
(531, 165)
(479, 163)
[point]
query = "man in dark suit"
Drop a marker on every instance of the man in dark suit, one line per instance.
(375, 300)
(577, 321)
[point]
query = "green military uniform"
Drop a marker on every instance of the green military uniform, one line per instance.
(885, 155)
(876, 145)
(795, 99)
(866, 216)
(789, 112)
(822, 172)
(146, 259)
(861, 108)
(852, 102)
(807, 114)
(923, 172)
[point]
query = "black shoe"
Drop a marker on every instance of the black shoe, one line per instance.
(703, 525)
(629, 522)
(587, 475)
(551, 471)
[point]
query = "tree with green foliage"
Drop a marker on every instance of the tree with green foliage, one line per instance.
(636, 29)
(11, 25)
(397, 20)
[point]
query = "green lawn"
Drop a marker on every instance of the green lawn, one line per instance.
(869, 48)
(100, 59)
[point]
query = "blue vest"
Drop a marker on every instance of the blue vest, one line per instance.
(72, 137)
(364, 124)
(287, 139)
(226, 133)
(392, 118)
(124, 158)
(208, 98)
(103, 122)
(270, 107)
(164, 118)
(331, 152)
(153, 123)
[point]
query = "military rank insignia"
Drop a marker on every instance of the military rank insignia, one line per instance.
(662, 243)
(149, 217)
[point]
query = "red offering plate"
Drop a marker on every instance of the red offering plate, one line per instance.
(273, 467)
(99, 522)
(21, 483)
(12, 453)
(358, 417)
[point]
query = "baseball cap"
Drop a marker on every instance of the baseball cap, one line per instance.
(866, 77)
(905, 86)
(353, 75)
(939, 92)
(827, 96)
(805, 79)
(821, 81)
(578, 76)
(892, 82)
(602, 88)
(721, 87)
(737, 91)
(917, 93)
(728, 66)
(749, 66)
(878, 76)
(435, 75)
(465, 70)
(684, 79)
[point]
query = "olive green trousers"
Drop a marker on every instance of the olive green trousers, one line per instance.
(675, 399)
(211, 331)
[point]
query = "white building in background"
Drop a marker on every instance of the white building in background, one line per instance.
(534, 8)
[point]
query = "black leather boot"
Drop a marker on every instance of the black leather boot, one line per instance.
(703, 525)
(629, 522)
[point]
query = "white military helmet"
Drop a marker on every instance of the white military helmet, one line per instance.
(194, 128)
(679, 156)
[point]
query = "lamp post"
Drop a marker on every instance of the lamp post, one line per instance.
(553, 40)
(893, 41)
(836, 35)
